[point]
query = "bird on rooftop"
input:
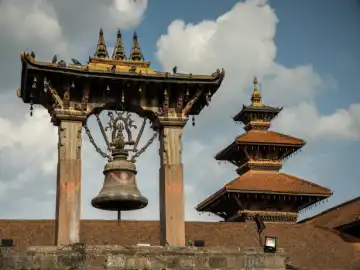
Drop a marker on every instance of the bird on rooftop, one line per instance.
(113, 68)
(175, 69)
(54, 60)
(76, 62)
(32, 54)
(132, 69)
(62, 63)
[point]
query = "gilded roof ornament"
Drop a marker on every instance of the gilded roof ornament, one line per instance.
(101, 50)
(119, 52)
(135, 53)
(256, 97)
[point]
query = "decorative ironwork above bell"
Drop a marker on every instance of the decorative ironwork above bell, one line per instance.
(120, 192)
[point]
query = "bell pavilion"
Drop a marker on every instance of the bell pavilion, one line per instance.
(72, 92)
(261, 189)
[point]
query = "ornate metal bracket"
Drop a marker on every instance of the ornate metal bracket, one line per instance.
(47, 88)
(120, 127)
(191, 103)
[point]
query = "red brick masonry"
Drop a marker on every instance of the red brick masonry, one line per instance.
(308, 246)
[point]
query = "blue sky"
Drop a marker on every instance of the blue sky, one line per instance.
(308, 61)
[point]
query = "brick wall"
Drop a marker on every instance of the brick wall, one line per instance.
(118, 257)
(303, 243)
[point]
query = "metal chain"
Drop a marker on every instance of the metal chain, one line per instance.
(142, 150)
(139, 136)
(92, 141)
(103, 132)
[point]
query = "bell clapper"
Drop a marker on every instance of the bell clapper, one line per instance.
(119, 216)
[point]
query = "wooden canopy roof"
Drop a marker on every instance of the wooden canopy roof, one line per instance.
(116, 72)
(268, 137)
(256, 138)
(269, 183)
(256, 109)
(275, 182)
(108, 68)
(102, 65)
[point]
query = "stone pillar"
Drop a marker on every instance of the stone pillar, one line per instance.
(68, 191)
(172, 214)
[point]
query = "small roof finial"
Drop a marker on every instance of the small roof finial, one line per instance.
(101, 50)
(135, 53)
(256, 97)
(119, 52)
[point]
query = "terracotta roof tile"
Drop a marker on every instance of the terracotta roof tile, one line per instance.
(268, 137)
(339, 215)
(304, 243)
(275, 182)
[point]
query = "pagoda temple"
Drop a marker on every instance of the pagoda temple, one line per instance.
(261, 189)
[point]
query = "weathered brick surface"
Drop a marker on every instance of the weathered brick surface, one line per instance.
(304, 243)
(117, 257)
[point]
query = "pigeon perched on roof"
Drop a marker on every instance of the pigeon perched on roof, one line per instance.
(76, 62)
(62, 63)
(54, 60)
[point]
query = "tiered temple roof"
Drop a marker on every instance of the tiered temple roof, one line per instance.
(260, 187)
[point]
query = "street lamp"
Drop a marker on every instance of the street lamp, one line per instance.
(270, 244)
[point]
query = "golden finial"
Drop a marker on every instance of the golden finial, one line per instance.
(135, 53)
(256, 97)
(101, 50)
(119, 53)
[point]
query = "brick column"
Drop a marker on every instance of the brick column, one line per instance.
(172, 214)
(68, 191)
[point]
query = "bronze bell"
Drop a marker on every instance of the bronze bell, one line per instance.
(120, 192)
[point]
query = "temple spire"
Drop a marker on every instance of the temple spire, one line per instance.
(119, 53)
(135, 53)
(101, 50)
(256, 97)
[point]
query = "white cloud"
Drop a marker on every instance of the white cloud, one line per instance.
(129, 12)
(305, 121)
(36, 138)
(37, 28)
(242, 42)
(38, 21)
